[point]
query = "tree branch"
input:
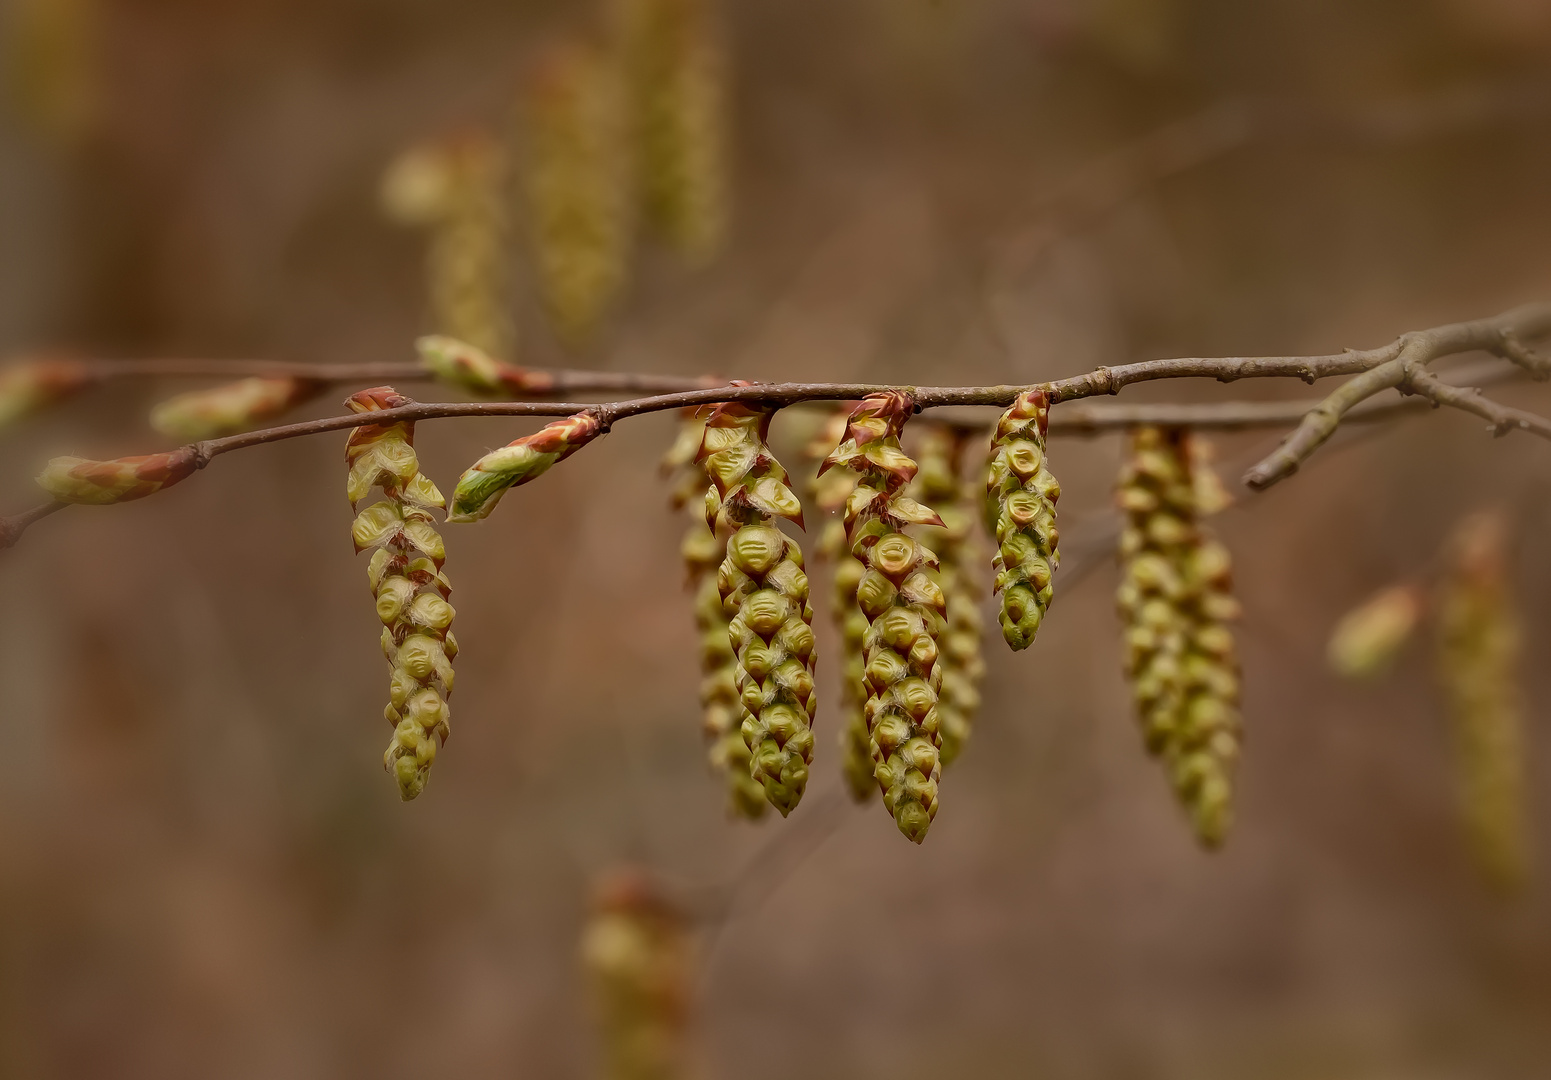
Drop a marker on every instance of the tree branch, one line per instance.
(1398, 365)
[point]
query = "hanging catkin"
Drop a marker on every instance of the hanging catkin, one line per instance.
(765, 595)
(576, 177)
(1020, 509)
(940, 485)
(407, 579)
(1478, 654)
(703, 551)
(831, 490)
(637, 952)
(903, 603)
(676, 77)
(1176, 603)
(457, 188)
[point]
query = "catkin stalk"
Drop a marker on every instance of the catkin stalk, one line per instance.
(765, 595)
(903, 603)
(1176, 603)
(407, 579)
(1478, 654)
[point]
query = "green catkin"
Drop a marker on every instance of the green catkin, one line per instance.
(903, 603)
(1478, 659)
(677, 78)
(457, 188)
(703, 552)
(1020, 512)
(576, 178)
(939, 485)
(637, 951)
(764, 593)
(1176, 603)
(407, 580)
(830, 491)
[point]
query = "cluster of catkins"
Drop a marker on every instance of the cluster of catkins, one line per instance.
(1176, 602)
(637, 951)
(407, 580)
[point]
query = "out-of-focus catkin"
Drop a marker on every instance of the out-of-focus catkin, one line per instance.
(1369, 638)
(831, 490)
(231, 408)
(407, 579)
(1176, 603)
(1478, 654)
(30, 386)
(940, 485)
(457, 188)
(703, 551)
(576, 177)
(1020, 509)
(900, 596)
(677, 75)
(765, 595)
(638, 954)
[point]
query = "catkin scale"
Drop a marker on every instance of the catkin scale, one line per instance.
(899, 595)
(1176, 603)
(407, 581)
(1020, 509)
(702, 551)
(831, 490)
(764, 593)
(1478, 657)
(939, 485)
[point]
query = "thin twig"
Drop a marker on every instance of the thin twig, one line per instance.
(1390, 366)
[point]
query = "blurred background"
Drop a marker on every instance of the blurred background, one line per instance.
(203, 871)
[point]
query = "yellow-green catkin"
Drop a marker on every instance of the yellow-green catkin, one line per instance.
(940, 485)
(677, 74)
(457, 188)
(102, 483)
(1369, 638)
(831, 490)
(637, 951)
(1020, 508)
(903, 603)
(576, 178)
(1478, 661)
(408, 582)
(231, 408)
(703, 551)
(765, 596)
(1176, 603)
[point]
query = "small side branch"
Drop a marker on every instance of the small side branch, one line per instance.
(1470, 399)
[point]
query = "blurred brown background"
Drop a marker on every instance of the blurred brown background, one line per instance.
(204, 872)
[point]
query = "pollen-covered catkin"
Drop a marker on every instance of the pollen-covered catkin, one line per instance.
(939, 484)
(576, 177)
(703, 551)
(638, 955)
(831, 490)
(407, 579)
(1478, 654)
(677, 76)
(1176, 604)
(903, 603)
(1020, 511)
(765, 595)
(456, 187)
(229, 409)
